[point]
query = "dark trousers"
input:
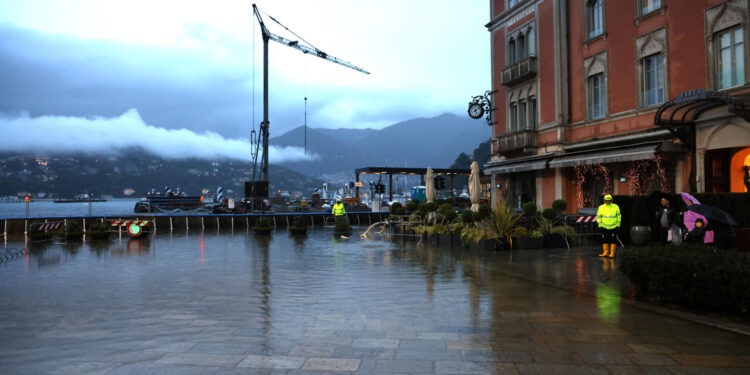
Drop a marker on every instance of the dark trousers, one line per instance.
(609, 235)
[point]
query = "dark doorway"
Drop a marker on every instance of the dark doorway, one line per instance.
(717, 171)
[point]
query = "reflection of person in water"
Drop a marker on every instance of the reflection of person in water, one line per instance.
(747, 177)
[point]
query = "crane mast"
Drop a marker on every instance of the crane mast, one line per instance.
(257, 189)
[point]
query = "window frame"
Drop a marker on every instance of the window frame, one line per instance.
(589, 14)
(659, 76)
(647, 45)
(733, 56)
(602, 97)
(595, 66)
(639, 9)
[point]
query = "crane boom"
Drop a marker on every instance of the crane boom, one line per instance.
(257, 189)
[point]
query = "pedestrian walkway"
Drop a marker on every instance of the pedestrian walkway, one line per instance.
(235, 303)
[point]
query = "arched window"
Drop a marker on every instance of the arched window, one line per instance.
(521, 47)
(511, 51)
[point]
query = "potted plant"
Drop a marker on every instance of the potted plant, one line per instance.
(262, 226)
(98, 230)
(397, 209)
(299, 226)
(526, 239)
(38, 234)
(640, 232)
(71, 230)
(529, 211)
(559, 206)
(567, 233)
(500, 224)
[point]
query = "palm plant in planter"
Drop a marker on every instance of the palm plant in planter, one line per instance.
(500, 224)
(299, 225)
(263, 226)
(98, 230)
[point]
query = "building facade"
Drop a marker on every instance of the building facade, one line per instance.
(618, 96)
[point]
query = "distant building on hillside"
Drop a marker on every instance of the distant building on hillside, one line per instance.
(618, 96)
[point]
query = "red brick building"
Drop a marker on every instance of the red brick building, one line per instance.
(618, 96)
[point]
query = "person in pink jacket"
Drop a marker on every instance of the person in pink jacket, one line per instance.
(690, 217)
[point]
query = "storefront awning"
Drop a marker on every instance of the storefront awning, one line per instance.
(514, 166)
(613, 155)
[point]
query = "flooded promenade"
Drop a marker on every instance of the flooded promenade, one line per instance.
(192, 302)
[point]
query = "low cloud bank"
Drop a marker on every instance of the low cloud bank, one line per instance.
(104, 135)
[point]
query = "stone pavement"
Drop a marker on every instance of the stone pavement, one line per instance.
(221, 304)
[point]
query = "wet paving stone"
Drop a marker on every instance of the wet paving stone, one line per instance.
(202, 303)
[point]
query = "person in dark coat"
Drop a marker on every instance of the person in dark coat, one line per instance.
(698, 234)
(667, 217)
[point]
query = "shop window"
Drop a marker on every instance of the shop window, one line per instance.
(730, 58)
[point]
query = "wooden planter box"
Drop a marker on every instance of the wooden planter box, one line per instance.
(526, 243)
(554, 240)
(482, 245)
(445, 240)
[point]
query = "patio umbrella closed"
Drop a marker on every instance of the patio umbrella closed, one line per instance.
(430, 188)
(474, 186)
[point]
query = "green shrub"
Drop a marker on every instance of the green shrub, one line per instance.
(467, 217)
(560, 205)
(449, 214)
(396, 205)
(98, 226)
(529, 208)
(536, 234)
(397, 210)
(299, 222)
(341, 225)
(520, 232)
(549, 213)
(484, 211)
(431, 206)
(566, 231)
(694, 276)
(412, 206)
(500, 224)
(415, 201)
(263, 222)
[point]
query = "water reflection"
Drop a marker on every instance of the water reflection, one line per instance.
(608, 303)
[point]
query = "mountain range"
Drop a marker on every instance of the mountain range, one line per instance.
(418, 143)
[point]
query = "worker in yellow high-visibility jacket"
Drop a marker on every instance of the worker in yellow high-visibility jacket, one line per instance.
(338, 208)
(608, 217)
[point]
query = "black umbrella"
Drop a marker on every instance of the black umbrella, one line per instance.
(712, 213)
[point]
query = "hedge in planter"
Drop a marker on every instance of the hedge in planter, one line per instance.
(695, 276)
(299, 225)
(263, 226)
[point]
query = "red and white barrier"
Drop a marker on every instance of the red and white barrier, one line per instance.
(586, 219)
(49, 226)
(121, 223)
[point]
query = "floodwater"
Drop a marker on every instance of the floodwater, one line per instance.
(228, 303)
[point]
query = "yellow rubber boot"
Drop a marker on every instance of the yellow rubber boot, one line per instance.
(612, 248)
(605, 250)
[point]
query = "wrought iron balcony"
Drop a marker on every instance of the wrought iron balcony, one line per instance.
(523, 141)
(520, 71)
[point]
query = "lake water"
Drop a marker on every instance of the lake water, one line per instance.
(46, 208)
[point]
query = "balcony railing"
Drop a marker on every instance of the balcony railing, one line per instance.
(524, 141)
(520, 71)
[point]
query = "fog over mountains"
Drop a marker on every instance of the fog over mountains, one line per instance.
(419, 143)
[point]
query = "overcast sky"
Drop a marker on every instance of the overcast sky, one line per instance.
(189, 64)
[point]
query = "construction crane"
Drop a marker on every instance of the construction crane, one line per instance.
(257, 189)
